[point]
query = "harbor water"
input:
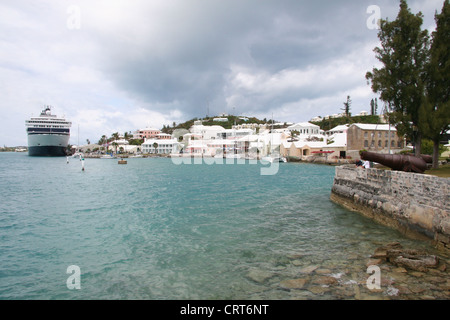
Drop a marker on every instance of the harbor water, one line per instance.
(155, 230)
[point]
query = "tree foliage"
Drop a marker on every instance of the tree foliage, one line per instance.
(401, 80)
(434, 113)
(414, 80)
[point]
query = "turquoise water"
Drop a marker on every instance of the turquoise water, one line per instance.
(154, 230)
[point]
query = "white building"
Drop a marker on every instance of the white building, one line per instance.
(233, 133)
(338, 129)
(305, 128)
(206, 132)
(220, 119)
(165, 146)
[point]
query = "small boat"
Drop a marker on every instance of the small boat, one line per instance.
(121, 161)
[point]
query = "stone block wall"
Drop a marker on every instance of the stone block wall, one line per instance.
(416, 204)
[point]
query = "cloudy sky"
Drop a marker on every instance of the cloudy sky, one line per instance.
(120, 65)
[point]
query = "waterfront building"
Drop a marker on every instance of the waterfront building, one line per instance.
(163, 136)
(233, 133)
(205, 132)
(163, 146)
(305, 128)
(382, 138)
(337, 145)
(338, 129)
(301, 150)
(148, 133)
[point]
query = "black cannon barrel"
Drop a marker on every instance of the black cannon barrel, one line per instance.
(398, 162)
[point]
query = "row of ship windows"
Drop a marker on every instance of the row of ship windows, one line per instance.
(49, 122)
(41, 126)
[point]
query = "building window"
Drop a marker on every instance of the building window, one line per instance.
(366, 143)
(386, 144)
(379, 143)
(365, 134)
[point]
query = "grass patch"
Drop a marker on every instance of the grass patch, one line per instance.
(442, 171)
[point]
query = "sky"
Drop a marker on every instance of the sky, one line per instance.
(121, 65)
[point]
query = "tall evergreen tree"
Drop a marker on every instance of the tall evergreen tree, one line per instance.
(347, 106)
(435, 111)
(400, 81)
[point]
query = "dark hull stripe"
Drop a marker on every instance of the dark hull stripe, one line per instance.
(47, 151)
(47, 130)
(48, 133)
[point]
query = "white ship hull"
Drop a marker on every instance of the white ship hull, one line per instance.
(47, 144)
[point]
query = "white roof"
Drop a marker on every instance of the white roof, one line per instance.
(303, 125)
(379, 127)
(286, 144)
(158, 141)
(339, 140)
(342, 127)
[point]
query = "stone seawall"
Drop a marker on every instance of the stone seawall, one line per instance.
(417, 205)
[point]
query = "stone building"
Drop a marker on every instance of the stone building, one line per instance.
(380, 138)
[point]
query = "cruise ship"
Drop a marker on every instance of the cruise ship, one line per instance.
(48, 135)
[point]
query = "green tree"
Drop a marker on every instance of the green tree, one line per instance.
(373, 107)
(400, 81)
(347, 106)
(435, 110)
(102, 141)
(155, 145)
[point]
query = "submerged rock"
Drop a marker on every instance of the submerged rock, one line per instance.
(259, 276)
(416, 262)
(293, 283)
(412, 259)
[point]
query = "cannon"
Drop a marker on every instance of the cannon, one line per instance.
(398, 162)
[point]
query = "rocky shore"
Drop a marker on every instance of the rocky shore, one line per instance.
(405, 274)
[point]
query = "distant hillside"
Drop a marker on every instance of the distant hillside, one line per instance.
(325, 124)
(209, 121)
(328, 124)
